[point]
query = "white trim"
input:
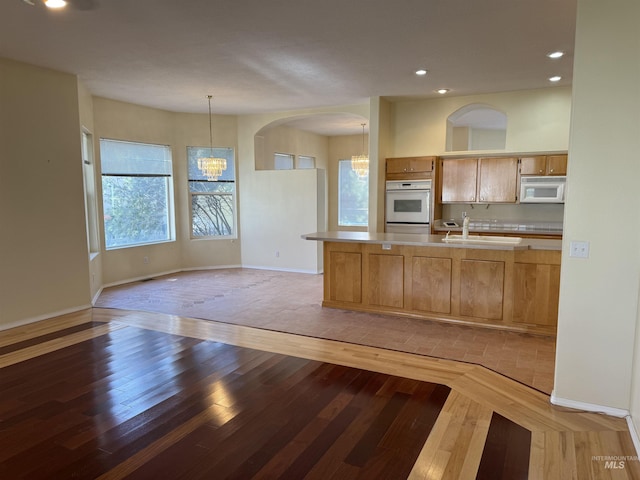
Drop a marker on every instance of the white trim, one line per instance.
(46, 316)
(589, 407)
(212, 267)
(276, 269)
(96, 296)
(137, 279)
(634, 434)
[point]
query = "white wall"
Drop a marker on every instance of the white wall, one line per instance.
(288, 204)
(598, 311)
(44, 261)
(276, 225)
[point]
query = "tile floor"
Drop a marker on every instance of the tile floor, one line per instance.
(291, 302)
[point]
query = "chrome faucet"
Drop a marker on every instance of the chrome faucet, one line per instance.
(465, 225)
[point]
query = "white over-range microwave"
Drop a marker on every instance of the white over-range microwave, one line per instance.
(542, 189)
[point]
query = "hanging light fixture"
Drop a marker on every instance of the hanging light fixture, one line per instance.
(211, 167)
(360, 163)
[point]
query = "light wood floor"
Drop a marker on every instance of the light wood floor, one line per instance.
(564, 444)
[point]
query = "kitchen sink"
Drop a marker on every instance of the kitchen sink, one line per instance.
(488, 239)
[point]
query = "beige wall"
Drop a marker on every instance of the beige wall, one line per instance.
(537, 120)
(598, 314)
(44, 261)
(193, 130)
(288, 140)
(123, 121)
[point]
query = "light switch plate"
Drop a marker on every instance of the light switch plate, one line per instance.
(579, 249)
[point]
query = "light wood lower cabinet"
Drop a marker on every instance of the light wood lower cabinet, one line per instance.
(431, 284)
(536, 293)
(481, 289)
(513, 290)
(344, 277)
(386, 280)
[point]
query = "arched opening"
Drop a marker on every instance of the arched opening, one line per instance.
(476, 127)
(302, 141)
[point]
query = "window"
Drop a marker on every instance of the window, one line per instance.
(353, 197)
(283, 161)
(212, 202)
(90, 199)
(305, 161)
(137, 193)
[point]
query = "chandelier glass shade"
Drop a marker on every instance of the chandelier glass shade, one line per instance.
(211, 167)
(360, 163)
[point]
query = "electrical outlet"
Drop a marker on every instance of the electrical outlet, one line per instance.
(277, 254)
(145, 259)
(579, 249)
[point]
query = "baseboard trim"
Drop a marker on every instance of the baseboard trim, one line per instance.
(138, 279)
(275, 269)
(589, 407)
(45, 316)
(212, 267)
(634, 434)
(96, 296)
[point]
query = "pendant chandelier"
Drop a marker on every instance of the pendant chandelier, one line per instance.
(360, 163)
(211, 167)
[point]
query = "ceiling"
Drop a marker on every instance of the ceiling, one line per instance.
(258, 56)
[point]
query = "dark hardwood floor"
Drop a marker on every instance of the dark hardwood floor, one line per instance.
(116, 394)
(84, 410)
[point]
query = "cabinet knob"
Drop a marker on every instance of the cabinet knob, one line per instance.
(540, 171)
(551, 171)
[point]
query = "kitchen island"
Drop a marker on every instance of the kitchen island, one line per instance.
(510, 286)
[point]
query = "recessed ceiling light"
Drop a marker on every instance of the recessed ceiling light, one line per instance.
(557, 54)
(422, 71)
(557, 78)
(55, 3)
(442, 91)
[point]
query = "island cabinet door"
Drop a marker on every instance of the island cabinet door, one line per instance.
(536, 293)
(430, 284)
(344, 276)
(385, 280)
(482, 288)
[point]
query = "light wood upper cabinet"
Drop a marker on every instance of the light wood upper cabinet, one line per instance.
(479, 180)
(498, 180)
(409, 167)
(544, 165)
(459, 180)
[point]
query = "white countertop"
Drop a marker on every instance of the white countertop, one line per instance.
(428, 240)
